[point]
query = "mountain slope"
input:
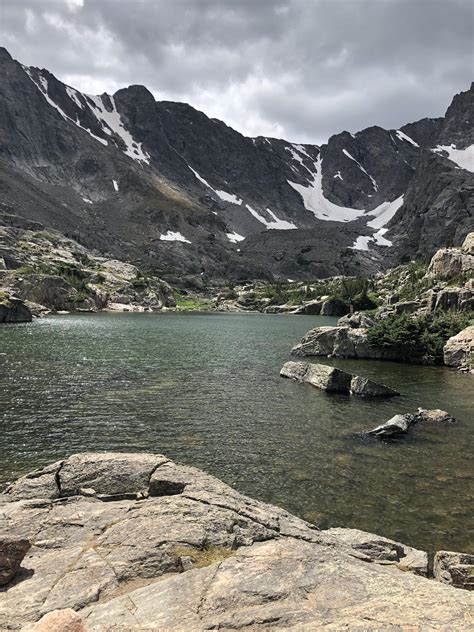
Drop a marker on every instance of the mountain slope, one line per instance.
(162, 185)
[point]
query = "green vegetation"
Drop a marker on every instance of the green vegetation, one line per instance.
(422, 336)
(84, 259)
(79, 297)
(355, 291)
(43, 234)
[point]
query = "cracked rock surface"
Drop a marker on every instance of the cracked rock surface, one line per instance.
(137, 541)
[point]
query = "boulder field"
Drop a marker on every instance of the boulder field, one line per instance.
(136, 541)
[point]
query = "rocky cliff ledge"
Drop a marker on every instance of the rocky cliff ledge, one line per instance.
(135, 541)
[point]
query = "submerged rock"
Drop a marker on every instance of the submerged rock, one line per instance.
(334, 380)
(455, 569)
(184, 551)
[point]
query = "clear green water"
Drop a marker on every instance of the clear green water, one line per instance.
(205, 390)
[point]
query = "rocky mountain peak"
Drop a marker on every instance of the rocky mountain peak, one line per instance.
(4, 54)
(164, 185)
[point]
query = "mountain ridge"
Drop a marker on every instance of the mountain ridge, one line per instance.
(162, 185)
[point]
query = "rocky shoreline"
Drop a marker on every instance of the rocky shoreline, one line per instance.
(136, 541)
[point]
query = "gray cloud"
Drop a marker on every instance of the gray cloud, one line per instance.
(298, 69)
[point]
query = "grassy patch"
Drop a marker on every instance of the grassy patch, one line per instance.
(203, 557)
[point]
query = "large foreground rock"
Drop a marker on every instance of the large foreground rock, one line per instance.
(334, 380)
(140, 542)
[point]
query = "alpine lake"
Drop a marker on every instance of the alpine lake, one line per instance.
(204, 389)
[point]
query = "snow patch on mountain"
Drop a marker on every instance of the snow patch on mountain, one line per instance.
(402, 136)
(42, 86)
(315, 202)
(362, 243)
(374, 183)
(464, 158)
(111, 123)
(234, 237)
(72, 94)
(274, 224)
(384, 212)
(174, 236)
(223, 195)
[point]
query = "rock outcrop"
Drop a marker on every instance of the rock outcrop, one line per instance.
(135, 541)
(58, 274)
(13, 309)
(333, 380)
(344, 342)
(459, 349)
(455, 569)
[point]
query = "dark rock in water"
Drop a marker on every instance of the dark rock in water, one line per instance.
(456, 569)
(400, 424)
(397, 425)
(334, 380)
(12, 552)
(14, 310)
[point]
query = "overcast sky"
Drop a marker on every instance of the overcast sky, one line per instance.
(295, 69)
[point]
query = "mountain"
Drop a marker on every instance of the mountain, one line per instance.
(162, 185)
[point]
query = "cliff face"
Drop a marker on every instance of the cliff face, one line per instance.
(161, 184)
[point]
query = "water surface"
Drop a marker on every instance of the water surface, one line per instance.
(205, 390)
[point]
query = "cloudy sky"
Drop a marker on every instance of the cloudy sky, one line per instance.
(297, 69)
